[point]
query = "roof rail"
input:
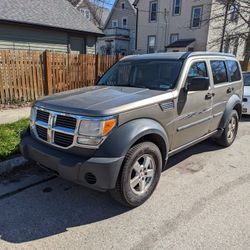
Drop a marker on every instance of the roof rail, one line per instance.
(185, 56)
(191, 54)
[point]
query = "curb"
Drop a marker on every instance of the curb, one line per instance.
(9, 165)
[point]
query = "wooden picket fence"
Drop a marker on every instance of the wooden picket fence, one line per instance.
(27, 75)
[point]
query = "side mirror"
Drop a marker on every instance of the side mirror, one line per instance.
(198, 84)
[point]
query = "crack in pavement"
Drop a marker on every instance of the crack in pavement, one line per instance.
(4, 196)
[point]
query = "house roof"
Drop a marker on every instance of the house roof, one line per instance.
(50, 13)
(181, 43)
(101, 12)
(131, 2)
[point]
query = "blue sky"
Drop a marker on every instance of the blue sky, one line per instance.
(109, 6)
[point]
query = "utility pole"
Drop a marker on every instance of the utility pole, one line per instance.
(224, 27)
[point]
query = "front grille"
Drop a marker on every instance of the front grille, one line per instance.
(55, 128)
(62, 139)
(41, 132)
(42, 116)
(66, 121)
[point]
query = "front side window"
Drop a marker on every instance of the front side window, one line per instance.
(177, 7)
(198, 69)
(219, 72)
(234, 71)
(151, 44)
(151, 74)
(153, 11)
(196, 17)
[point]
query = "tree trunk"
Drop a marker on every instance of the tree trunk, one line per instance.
(247, 54)
(224, 28)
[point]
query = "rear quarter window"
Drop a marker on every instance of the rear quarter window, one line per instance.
(234, 70)
(219, 71)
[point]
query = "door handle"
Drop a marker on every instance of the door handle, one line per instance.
(209, 96)
(230, 90)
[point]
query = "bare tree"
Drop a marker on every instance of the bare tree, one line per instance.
(74, 2)
(96, 8)
(230, 19)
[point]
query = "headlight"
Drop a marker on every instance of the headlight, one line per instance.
(92, 132)
(32, 114)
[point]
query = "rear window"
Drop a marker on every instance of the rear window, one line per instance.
(234, 71)
(219, 71)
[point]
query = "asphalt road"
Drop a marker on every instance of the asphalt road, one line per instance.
(202, 202)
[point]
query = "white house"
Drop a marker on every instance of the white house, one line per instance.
(190, 25)
(119, 29)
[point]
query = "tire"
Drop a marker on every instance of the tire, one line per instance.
(139, 175)
(230, 132)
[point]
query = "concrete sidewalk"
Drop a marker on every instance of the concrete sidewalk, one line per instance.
(13, 115)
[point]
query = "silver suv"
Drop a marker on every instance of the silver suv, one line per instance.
(118, 135)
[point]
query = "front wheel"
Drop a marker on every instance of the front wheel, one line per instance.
(230, 132)
(139, 175)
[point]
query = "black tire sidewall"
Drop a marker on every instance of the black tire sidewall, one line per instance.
(135, 152)
(233, 114)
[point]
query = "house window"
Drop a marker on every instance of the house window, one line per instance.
(153, 11)
(151, 44)
(123, 5)
(231, 45)
(124, 22)
(177, 7)
(196, 17)
(114, 23)
(174, 37)
(87, 14)
(234, 12)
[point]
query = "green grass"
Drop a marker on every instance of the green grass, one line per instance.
(10, 138)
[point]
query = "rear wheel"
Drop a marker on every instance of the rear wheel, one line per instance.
(230, 132)
(139, 176)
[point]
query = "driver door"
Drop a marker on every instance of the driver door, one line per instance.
(194, 109)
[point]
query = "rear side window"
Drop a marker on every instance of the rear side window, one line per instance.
(198, 69)
(234, 71)
(219, 71)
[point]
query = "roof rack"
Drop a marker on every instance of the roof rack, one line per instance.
(191, 54)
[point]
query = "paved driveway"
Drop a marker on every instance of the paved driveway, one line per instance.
(202, 202)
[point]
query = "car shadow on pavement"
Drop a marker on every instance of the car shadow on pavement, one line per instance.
(206, 146)
(52, 208)
(55, 206)
(245, 118)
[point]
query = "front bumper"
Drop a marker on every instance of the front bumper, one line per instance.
(246, 108)
(94, 172)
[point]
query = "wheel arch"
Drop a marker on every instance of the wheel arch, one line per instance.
(234, 103)
(134, 132)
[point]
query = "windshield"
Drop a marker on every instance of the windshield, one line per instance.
(246, 78)
(151, 74)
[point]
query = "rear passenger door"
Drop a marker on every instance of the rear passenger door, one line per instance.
(226, 81)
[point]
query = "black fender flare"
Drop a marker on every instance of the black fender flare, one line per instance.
(123, 137)
(233, 101)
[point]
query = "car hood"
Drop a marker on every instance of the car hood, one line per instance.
(247, 91)
(101, 100)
